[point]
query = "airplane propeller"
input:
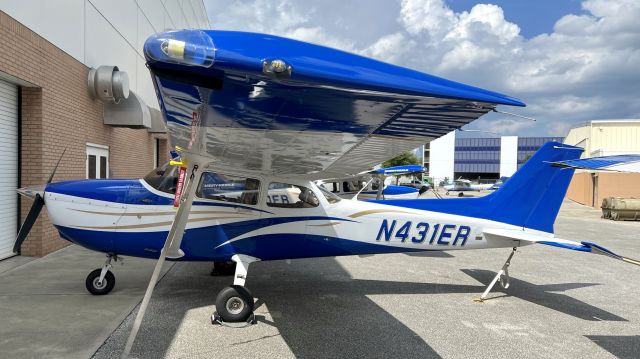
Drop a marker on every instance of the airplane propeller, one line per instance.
(34, 212)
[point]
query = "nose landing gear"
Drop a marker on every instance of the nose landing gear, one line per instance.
(101, 281)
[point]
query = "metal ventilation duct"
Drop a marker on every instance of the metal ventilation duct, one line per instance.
(122, 107)
(132, 113)
(108, 84)
(157, 122)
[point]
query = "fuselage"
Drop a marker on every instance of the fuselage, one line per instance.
(131, 217)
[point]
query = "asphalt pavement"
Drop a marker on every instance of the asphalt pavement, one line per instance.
(561, 304)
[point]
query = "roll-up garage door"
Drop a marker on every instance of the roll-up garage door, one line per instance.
(8, 168)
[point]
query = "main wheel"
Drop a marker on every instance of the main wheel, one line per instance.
(95, 287)
(460, 194)
(234, 304)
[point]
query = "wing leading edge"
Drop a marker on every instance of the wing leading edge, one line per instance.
(266, 104)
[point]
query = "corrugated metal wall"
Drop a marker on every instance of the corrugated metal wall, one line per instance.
(8, 167)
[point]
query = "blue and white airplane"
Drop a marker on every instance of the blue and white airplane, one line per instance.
(253, 114)
(373, 184)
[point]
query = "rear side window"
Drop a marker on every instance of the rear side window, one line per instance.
(226, 188)
(284, 195)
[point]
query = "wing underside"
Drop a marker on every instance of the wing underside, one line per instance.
(334, 114)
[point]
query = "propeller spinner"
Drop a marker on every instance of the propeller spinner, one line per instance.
(37, 193)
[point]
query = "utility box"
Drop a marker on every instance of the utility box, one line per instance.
(621, 209)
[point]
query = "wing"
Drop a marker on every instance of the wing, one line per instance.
(619, 163)
(270, 105)
(528, 237)
(399, 170)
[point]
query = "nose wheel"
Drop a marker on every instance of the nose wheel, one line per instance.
(101, 281)
(97, 286)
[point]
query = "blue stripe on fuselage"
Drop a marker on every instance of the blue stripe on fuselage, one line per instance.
(198, 243)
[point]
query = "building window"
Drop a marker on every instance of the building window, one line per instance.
(97, 161)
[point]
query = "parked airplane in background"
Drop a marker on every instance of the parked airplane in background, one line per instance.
(463, 185)
(367, 185)
(499, 183)
(253, 114)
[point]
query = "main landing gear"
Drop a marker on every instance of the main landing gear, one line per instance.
(503, 276)
(223, 269)
(234, 304)
(101, 281)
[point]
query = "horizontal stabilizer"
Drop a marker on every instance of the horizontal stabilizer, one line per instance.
(518, 235)
(619, 163)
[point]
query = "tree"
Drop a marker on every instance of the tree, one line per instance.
(404, 159)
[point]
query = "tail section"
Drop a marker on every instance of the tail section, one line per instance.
(531, 198)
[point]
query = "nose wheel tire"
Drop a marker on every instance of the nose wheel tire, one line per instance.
(97, 287)
(234, 304)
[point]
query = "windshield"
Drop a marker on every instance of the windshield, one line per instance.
(163, 178)
(331, 198)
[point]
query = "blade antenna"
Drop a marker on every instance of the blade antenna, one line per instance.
(56, 167)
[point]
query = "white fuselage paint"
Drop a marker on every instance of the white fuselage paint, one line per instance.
(352, 220)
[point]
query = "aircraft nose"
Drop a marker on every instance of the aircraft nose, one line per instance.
(31, 191)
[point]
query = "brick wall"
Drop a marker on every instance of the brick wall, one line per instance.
(57, 112)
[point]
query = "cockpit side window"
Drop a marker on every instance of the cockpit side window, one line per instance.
(163, 178)
(227, 188)
(284, 195)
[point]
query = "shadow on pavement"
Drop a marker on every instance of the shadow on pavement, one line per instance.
(546, 296)
(623, 347)
(317, 308)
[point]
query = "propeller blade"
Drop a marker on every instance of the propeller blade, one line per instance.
(38, 203)
(56, 167)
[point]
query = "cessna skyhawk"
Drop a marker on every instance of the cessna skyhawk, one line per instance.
(252, 114)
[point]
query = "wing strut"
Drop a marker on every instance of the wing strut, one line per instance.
(171, 249)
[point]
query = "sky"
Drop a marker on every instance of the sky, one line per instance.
(570, 61)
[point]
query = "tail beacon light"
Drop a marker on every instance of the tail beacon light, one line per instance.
(184, 47)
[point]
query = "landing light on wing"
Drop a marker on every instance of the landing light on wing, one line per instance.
(185, 47)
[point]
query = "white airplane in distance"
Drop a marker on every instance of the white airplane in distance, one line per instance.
(251, 114)
(464, 185)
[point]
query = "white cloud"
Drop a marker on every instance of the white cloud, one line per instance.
(427, 16)
(586, 68)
